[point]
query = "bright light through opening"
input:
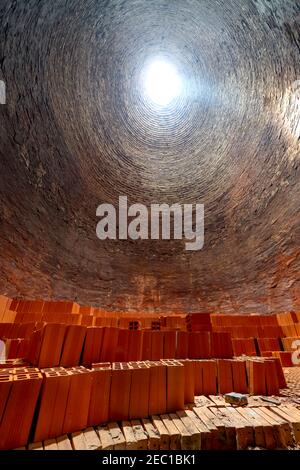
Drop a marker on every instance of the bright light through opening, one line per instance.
(162, 83)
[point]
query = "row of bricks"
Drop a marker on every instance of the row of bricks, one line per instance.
(38, 306)
(279, 319)
(240, 326)
(221, 320)
(236, 331)
(260, 331)
(240, 345)
(57, 344)
(137, 345)
(292, 329)
(285, 357)
(195, 320)
(258, 346)
(203, 428)
(10, 327)
(201, 370)
(72, 399)
(42, 310)
(283, 318)
(67, 400)
(262, 376)
(174, 322)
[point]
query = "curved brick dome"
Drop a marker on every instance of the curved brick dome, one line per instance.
(79, 130)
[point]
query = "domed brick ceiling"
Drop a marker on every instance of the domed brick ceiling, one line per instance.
(78, 130)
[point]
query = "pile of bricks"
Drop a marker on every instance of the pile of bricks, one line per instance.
(65, 400)
(258, 326)
(23, 311)
(55, 344)
(137, 338)
(250, 334)
(77, 344)
(213, 425)
(77, 367)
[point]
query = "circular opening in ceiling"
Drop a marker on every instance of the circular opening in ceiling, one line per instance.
(162, 83)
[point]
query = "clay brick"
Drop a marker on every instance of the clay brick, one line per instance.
(5, 387)
(268, 344)
(147, 343)
(175, 387)
(239, 376)
(51, 347)
(86, 310)
(26, 329)
(92, 345)
(73, 345)
(63, 379)
(77, 409)
(169, 350)
(11, 348)
(221, 346)
(288, 342)
(199, 345)
(272, 383)
(189, 380)
(289, 330)
(182, 351)
(199, 322)
(256, 377)
(109, 345)
(123, 345)
(157, 388)
(120, 392)
(209, 377)
(100, 396)
(46, 406)
(225, 382)
(244, 346)
(157, 345)
(35, 343)
(285, 358)
(86, 320)
(135, 345)
(139, 391)
(198, 378)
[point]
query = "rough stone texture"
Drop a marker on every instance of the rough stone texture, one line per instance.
(77, 131)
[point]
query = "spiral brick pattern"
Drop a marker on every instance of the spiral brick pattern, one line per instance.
(79, 130)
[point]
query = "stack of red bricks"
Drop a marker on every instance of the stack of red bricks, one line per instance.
(200, 336)
(94, 366)
(24, 311)
(55, 344)
(65, 400)
(265, 335)
(251, 334)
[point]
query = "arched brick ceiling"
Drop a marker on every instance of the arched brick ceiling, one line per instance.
(77, 130)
